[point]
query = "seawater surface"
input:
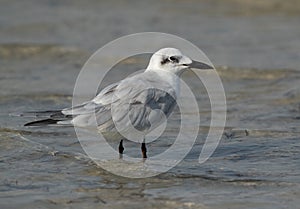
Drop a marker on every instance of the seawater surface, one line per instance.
(256, 165)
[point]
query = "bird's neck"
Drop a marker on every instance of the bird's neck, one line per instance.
(171, 78)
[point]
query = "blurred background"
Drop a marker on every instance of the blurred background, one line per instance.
(255, 46)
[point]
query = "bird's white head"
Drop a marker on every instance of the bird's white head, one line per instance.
(169, 59)
(172, 60)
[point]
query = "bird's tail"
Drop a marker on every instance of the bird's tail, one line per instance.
(44, 122)
(45, 118)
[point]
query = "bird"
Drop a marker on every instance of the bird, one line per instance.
(139, 103)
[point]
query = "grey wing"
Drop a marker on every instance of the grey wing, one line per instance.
(143, 101)
(102, 99)
(100, 106)
(141, 104)
(135, 98)
(150, 113)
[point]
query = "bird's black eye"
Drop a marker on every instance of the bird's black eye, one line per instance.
(174, 59)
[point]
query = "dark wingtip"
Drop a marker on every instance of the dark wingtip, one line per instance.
(42, 122)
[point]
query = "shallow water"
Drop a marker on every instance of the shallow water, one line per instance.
(256, 165)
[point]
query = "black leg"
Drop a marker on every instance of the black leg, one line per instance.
(121, 148)
(144, 149)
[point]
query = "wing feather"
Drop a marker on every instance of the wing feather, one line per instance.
(143, 99)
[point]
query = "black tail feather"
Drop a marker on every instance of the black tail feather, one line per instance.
(48, 117)
(44, 122)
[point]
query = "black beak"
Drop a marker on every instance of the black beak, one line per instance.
(200, 65)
